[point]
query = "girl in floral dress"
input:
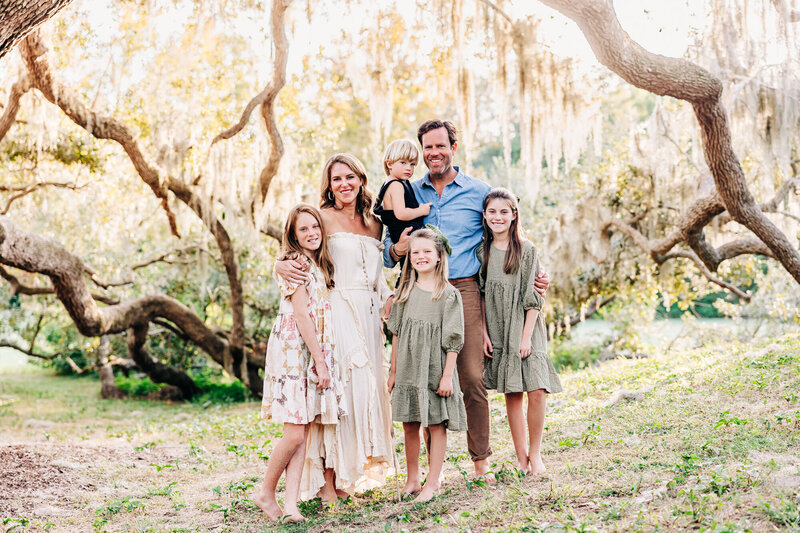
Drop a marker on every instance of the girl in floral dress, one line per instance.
(301, 384)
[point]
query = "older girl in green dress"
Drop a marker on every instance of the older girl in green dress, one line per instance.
(515, 337)
(427, 323)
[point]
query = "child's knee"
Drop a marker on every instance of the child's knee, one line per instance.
(538, 395)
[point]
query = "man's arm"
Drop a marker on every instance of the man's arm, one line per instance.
(388, 260)
(392, 252)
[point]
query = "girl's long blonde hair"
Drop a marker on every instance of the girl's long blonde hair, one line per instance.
(291, 246)
(514, 251)
(364, 197)
(409, 276)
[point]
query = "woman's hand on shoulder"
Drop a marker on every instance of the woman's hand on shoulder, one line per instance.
(293, 270)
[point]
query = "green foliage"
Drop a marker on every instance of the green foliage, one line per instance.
(136, 386)
(61, 366)
(218, 389)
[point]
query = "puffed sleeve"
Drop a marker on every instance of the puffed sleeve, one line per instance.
(452, 322)
(481, 276)
(529, 269)
(286, 287)
(395, 318)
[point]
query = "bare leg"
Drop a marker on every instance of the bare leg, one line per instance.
(435, 462)
(328, 491)
(293, 438)
(516, 422)
(293, 472)
(412, 445)
(537, 404)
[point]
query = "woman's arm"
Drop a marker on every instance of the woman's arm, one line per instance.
(393, 369)
(446, 383)
(308, 331)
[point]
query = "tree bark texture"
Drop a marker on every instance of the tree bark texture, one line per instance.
(20, 17)
(684, 80)
(34, 253)
(234, 358)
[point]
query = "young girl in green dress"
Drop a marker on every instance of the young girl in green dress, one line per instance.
(427, 323)
(515, 337)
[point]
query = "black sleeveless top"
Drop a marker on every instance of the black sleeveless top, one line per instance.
(394, 225)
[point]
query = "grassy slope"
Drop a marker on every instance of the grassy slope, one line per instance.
(712, 444)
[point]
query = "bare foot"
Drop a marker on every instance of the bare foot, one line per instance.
(293, 518)
(537, 466)
(268, 504)
(427, 493)
(525, 466)
(328, 495)
(412, 487)
(482, 471)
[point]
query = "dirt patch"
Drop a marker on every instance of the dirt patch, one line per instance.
(46, 479)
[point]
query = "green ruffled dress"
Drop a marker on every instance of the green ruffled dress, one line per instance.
(426, 330)
(508, 297)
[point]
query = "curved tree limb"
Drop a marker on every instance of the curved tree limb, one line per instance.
(19, 288)
(273, 231)
(34, 52)
(28, 351)
(19, 17)
(33, 253)
(22, 86)
(684, 80)
(660, 257)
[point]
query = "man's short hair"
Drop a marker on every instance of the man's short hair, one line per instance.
(435, 124)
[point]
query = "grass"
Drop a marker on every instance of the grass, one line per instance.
(711, 447)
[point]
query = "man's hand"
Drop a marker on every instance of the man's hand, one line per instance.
(291, 271)
(400, 248)
(542, 283)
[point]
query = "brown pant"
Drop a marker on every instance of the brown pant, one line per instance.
(470, 371)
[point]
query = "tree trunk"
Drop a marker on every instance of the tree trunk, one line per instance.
(108, 389)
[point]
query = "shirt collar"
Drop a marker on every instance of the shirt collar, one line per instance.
(458, 180)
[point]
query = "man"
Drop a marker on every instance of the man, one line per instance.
(457, 210)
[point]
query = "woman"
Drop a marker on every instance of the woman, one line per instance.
(356, 454)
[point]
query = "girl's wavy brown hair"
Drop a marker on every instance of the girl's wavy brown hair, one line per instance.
(291, 246)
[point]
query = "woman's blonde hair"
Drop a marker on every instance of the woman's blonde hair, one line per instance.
(291, 246)
(364, 198)
(404, 149)
(409, 276)
(514, 251)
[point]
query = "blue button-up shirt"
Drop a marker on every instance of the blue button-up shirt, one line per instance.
(458, 214)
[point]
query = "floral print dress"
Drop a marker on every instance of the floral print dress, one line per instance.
(290, 381)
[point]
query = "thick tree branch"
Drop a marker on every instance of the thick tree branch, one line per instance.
(19, 17)
(686, 81)
(32, 253)
(35, 54)
(270, 170)
(771, 206)
(22, 86)
(273, 231)
(660, 258)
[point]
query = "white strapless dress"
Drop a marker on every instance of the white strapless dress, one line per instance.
(360, 447)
